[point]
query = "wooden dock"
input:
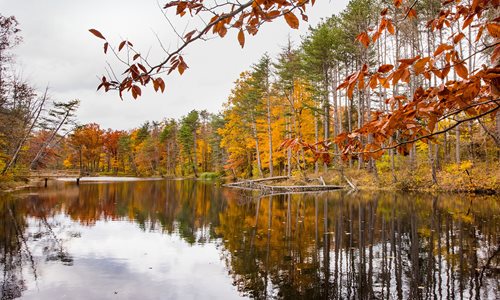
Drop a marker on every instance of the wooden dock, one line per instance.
(257, 185)
(46, 175)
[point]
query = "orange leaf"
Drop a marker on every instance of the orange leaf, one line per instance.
(419, 66)
(468, 21)
(461, 70)
(385, 68)
(406, 76)
(442, 48)
(373, 81)
(182, 67)
(479, 33)
(446, 70)
(409, 61)
(458, 38)
(397, 75)
(292, 20)
(222, 31)
(495, 55)
(493, 29)
(390, 27)
(412, 13)
(438, 73)
(97, 33)
(350, 89)
(181, 6)
(384, 82)
(363, 38)
(241, 38)
(273, 14)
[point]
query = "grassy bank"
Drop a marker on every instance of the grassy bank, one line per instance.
(465, 177)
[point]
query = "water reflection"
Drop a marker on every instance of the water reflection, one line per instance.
(323, 246)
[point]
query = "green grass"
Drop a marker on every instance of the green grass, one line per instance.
(210, 176)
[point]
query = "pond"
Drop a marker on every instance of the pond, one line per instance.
(195, 240)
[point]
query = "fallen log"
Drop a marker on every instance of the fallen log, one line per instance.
(272, 189)
(301, 188)
(251, 181)
(353, 186)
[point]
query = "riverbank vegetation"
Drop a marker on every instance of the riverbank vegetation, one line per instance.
(296, 114)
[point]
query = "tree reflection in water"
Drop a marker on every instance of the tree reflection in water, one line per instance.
(317, 246)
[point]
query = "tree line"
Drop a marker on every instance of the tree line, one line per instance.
(297, 114)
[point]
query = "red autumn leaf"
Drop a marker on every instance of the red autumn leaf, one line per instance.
(136, 91)
(241, 38)
(385, 68)
(189, 35)
(292, 20)
(161, 84)
(182, 67)
(97, 33)
(155, 85)
(122, 44)
(106, 45)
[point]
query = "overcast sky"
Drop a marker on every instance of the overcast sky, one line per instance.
(58, 51)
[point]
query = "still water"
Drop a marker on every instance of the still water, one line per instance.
(194, 240)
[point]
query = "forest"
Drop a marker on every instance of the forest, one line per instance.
(337, 105)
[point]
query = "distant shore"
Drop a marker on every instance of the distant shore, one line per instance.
(359, 180)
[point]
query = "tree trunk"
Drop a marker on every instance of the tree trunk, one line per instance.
(257, 149)
(270, 135)
(44, 146)
(21, 143)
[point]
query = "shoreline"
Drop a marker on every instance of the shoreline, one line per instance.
(293, 183)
